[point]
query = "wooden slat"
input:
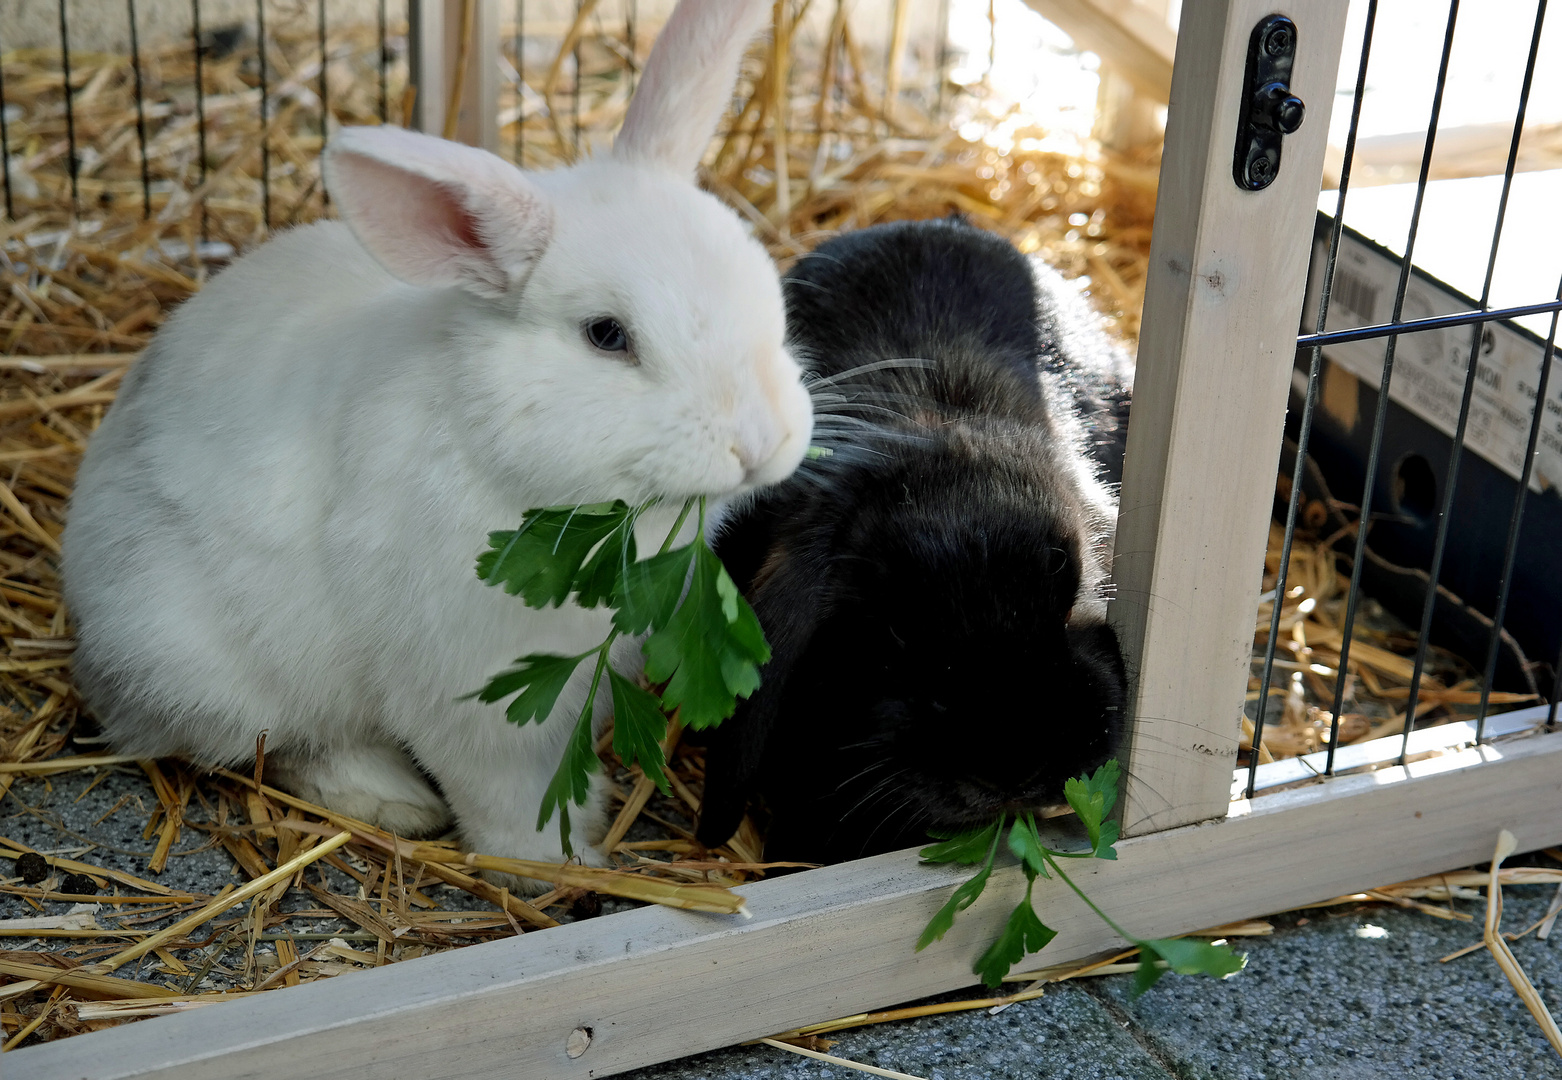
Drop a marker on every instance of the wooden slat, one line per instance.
(1222, 304)
(1126, 117)
(1469, 150)
(434, 45)
(1133, 38)
(655, 984)
(1380, 751)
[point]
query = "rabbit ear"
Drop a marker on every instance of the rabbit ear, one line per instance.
(436, 213)
(790, 605)
(688, 82)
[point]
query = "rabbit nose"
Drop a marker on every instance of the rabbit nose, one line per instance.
(754, 448)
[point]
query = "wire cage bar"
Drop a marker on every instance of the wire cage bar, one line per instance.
(1314, 342)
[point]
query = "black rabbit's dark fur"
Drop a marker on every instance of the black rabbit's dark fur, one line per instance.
(931, 589)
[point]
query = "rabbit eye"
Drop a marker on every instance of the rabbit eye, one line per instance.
(607, 335)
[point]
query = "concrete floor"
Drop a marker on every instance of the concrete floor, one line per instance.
(1345, 993)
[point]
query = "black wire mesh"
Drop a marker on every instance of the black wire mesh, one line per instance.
(324, 84)
(73, 162)
(1444, 511)
(278, 40)
(265, 115)
(5, 145)
(135, 68)
(198, 55)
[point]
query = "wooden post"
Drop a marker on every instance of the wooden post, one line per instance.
(1222, 307)
(444, 33)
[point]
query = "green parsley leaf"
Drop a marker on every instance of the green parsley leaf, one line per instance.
(1092, 798)
(540, 679)
(1026, 844)
(1104, 842)
(569, 783)
(707, 659)
(962, 849)
(599, 580)
(1185, 956)
(968, 847)
(1024, 933)
(639, 727)
(541, 560)
(651, 589)
(705, 643)
(962, 898)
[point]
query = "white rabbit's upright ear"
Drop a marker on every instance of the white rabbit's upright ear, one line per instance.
(688, 82)
(436, 213)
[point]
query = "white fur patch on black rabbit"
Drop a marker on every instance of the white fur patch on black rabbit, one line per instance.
(934, 590)
(275, 527)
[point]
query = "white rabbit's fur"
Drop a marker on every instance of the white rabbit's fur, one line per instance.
(275, 527)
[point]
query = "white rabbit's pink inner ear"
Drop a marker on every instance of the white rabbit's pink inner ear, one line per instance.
(483, 236)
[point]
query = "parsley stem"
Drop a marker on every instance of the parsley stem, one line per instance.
(992, 852)
(683, 515)
(596, 681)
(1124, 934)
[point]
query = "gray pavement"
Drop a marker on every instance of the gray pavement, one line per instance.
(1335, 994)
(1347, 993)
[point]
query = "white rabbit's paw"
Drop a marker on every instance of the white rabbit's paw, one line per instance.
(401, 818)
(377, 784)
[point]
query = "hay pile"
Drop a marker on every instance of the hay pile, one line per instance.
(104, 277)
(1380, 668)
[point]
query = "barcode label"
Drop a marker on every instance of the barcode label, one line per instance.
(1430, 365)
(1356, 295)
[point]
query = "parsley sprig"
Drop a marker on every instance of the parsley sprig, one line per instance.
(704, 645)
(1092, 798)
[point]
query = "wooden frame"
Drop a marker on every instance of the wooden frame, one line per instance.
(655, 984)
(628, 990)
(1214, 369)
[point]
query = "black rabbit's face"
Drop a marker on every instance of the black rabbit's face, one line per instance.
(970, 689)
(991, 712)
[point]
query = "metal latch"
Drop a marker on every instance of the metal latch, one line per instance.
(1269, 110)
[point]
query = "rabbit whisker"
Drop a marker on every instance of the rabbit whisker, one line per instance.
(813, 379)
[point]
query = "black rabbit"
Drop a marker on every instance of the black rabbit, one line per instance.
(933, 587)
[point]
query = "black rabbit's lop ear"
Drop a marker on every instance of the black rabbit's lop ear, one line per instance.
(790, 605)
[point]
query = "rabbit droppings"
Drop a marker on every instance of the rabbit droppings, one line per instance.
(934, 589)
(274, 529)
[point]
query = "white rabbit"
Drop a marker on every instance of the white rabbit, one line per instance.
(276, 525)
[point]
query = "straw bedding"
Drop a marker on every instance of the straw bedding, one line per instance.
(84, 291)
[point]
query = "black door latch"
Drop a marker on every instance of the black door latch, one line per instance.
(1269, 110)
